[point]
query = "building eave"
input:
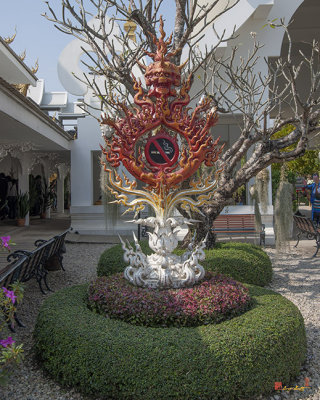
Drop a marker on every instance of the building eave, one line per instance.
(13, 69)
(33, 108)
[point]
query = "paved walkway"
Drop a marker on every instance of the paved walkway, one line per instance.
(24, 237)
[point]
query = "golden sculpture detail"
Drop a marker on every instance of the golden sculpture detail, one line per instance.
(9, 40)
(23, 55)
(23, 87)
(163, 205)
(130, 27)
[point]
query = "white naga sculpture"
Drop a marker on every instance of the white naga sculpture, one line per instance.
(163, 269)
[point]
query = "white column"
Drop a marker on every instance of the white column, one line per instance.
(60, 188)
(46, 163)
(270, 187)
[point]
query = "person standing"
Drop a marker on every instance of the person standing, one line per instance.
(39, 195)
(315, 197)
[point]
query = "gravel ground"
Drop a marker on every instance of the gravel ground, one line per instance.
(296, 277)
(29, 382)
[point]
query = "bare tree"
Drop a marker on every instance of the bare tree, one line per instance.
(236, 88)
(90, 25)
(239, 89)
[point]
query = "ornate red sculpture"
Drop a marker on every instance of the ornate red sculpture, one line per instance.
(160, 144)
(162, 121)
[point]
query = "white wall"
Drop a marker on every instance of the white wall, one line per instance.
(89, 139)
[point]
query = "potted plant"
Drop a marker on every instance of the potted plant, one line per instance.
(23, 207)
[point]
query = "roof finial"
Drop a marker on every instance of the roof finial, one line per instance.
(130, 27)
(23, 55)
(35, 69)
(9, 39)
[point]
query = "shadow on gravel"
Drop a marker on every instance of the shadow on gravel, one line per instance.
(296, 275)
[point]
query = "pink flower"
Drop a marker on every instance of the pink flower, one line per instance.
(213, 300)
(5, 241)
(7, 342)
(10, 294)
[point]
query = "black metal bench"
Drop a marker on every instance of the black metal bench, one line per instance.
(33, 264)
(25, 265)
(11, 272)
(309, 228)
(56, 250)
(238, 224)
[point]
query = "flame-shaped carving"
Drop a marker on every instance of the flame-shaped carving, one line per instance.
(10, 39)
(190, 199)
(155, 111)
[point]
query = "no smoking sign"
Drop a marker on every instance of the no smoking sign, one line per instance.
(162, 151)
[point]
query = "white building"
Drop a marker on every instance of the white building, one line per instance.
(25, 121)
(31, 142)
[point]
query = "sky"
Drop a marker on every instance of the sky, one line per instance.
(38, 36)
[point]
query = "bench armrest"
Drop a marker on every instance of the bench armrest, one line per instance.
(18, 254)
(39, 242)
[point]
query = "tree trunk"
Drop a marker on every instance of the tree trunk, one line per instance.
(203, 229)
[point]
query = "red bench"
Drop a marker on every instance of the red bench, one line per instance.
(237, 225)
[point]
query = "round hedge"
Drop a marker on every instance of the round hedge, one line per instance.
(214, 299)
(243, 262)
(239, 358)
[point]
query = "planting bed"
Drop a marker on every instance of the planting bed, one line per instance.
(109, 358)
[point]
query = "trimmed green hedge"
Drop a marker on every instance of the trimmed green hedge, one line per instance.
(243, 262)
(239, 358)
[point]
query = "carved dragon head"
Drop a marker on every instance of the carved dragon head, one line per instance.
(161, 75)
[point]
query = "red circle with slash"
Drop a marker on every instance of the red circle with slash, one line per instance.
(162, 151)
